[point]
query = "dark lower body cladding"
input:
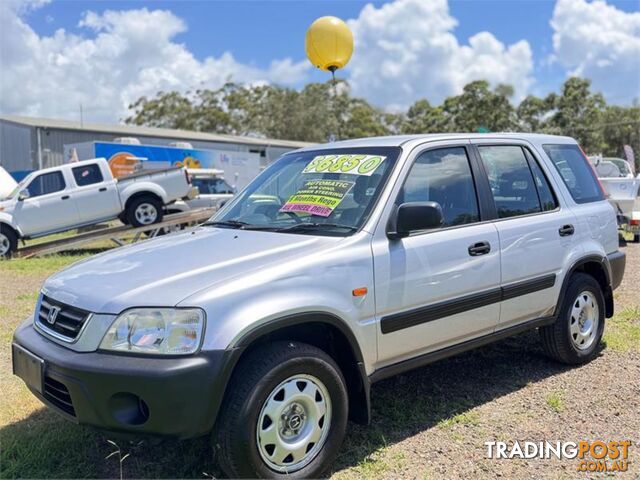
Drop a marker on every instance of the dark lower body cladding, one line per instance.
(617, 262)
(176, 397)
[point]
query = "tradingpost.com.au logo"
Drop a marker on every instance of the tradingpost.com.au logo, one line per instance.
(596, 456)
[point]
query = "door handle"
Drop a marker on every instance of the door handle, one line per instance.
(480, 248)
(566, 230)
(103, 189)
(65, 197)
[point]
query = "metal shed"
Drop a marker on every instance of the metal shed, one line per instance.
(30, 143)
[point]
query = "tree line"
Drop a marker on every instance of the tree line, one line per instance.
(321, 111)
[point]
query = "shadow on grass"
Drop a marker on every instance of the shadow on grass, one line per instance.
(45, 446)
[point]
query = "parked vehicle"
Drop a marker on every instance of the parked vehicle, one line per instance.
(623, 191)
(83, 193)
(7, 183)
(213, 190)
(338, 266)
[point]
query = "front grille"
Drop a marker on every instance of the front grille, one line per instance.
(56, 393)
(66, 324)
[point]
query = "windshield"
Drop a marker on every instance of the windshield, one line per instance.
(329, 192)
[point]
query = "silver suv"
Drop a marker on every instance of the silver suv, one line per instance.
(338, 266)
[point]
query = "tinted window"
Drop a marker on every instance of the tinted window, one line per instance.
(547, 198)
(87, 175)
(46, 183)
(576, 172)
(512, 184)
(443, 176)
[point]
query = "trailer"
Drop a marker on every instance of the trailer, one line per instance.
(126, 154)
(117, 234)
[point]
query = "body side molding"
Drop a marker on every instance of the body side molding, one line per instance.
(436, 311)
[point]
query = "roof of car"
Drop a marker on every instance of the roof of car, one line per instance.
(399, 140)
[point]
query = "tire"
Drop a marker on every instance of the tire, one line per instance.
(144, 211)
(262, 383)
(636, 238)
(8, 241)
(575, 335)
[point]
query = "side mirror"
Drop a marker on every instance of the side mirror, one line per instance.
(23, 195)
(414, 216)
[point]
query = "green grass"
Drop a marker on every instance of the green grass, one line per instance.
(555, 401)
(470, 418)
(39, 265)
(622, 331)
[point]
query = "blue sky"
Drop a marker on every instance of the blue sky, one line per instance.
(256, 33)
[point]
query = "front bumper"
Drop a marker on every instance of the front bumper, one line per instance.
(178, 397)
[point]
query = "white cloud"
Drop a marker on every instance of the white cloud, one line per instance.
(406, 50)
(600, 42)
(120, 56)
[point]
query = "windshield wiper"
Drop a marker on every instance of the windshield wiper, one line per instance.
(226, 223)
(315, 226)
(239, 224)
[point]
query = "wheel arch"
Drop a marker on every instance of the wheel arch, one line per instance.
(330, 334)
(598, 267)
(145, 193)
(13, 228)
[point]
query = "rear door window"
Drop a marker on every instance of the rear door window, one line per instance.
(547, 198)
(512, 184)
(576, 172)
(87, 174)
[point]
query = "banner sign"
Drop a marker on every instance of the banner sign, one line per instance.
(350, 164)
(318, 197)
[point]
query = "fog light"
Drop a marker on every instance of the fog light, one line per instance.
(129, 409)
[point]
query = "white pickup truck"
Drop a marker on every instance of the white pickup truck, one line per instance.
(84, 193)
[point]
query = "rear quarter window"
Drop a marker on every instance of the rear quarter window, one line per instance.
(576, 172)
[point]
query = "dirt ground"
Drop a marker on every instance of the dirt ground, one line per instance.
(431, 423)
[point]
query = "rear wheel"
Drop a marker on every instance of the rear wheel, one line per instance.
(636, 238)
(8, 241)
(143, 211)
(576, 333)
(285, 414)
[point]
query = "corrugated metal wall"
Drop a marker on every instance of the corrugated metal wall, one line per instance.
(19, 147)
(16, 150)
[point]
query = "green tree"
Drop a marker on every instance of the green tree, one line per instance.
(166, 110)
(478, 107)
(533, 112)
(424, 118)
(621, 126)
(321, 110)
(576, 111)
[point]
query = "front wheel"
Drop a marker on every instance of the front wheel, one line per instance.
(8, 242)
(285, 414)
(576, 333)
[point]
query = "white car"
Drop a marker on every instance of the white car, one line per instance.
(213, 191)
(84, 193)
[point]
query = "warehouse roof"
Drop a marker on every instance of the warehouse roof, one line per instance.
(131, 130)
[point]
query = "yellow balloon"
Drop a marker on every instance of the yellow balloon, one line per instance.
(329, 43)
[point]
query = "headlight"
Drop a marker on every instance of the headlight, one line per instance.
(159, 331)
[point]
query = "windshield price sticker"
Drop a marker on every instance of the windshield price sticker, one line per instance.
(318, 197)
(350, 164)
